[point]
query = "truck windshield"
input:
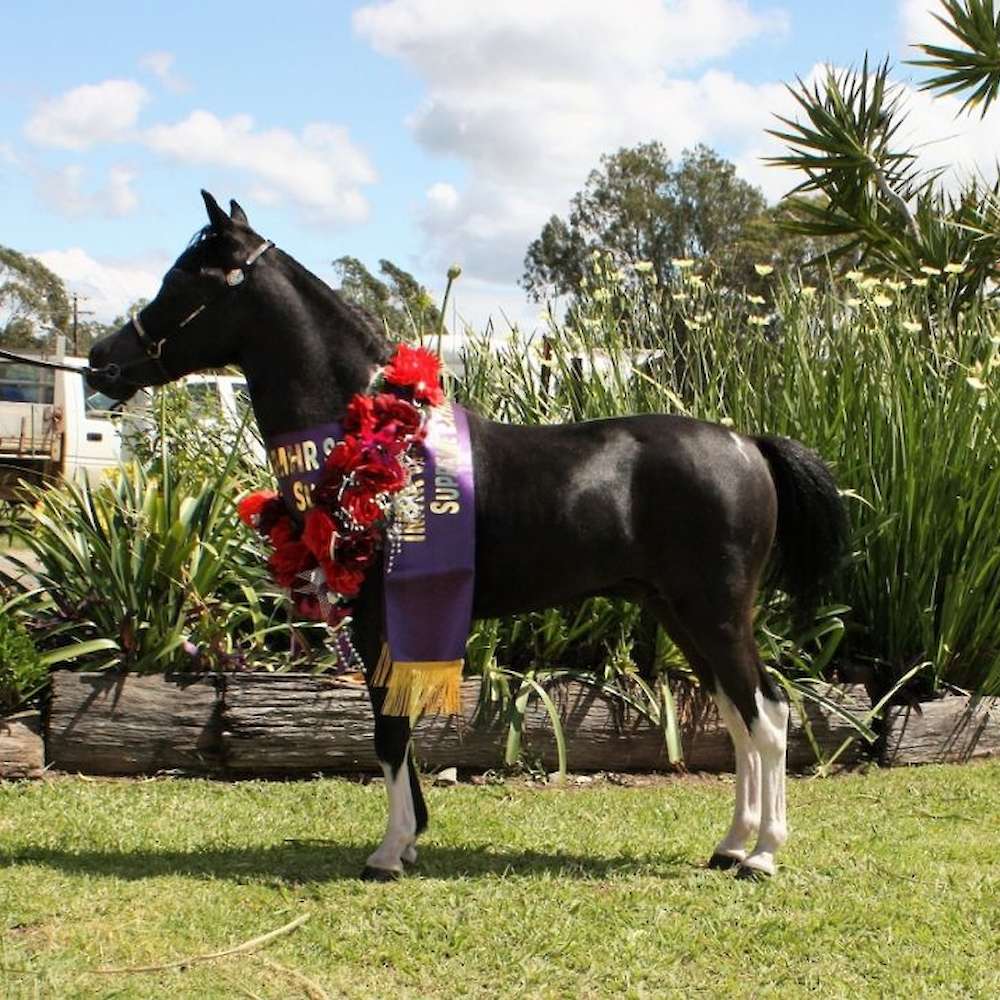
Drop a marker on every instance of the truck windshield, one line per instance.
(25, 384)
(97, 404)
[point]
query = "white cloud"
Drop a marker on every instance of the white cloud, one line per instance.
(559, 38)
(918, 23)
(529, 95)
(84, 116)
(965, 145)
(319, 170)
(108, 287)
(65, 192)
(161, 65)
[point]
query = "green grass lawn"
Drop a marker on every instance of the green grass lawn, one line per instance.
(890, 887)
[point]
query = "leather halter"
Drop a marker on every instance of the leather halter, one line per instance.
(153, 348)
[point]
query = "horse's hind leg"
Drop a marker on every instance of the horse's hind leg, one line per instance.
(732, 849)
(724, 656)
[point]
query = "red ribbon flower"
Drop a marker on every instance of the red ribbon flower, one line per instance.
(417, 369)
(342, 533)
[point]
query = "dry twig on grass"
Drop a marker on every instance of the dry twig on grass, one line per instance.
(241, 949)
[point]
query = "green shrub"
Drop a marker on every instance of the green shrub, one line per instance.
(152, 570)
(22, 672)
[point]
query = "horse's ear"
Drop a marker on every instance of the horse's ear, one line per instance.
(236, 213)
(218, 218)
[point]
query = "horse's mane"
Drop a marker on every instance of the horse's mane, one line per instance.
(369, 329)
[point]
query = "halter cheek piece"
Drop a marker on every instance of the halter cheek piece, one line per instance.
(153, 349)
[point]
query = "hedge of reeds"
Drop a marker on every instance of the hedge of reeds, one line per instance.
(891, 382)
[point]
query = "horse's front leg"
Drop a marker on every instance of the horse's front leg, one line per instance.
(407, 811)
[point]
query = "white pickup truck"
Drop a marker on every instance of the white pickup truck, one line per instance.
(52, 424)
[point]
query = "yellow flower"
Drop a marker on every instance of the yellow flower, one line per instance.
(763, 269)
(602, 295)
(643, 266)
(882, 301)
(977, 383)
(911, 327)
(726, 421)
(682, 263)
(918, 282)
(696, 280)
(757, 320)
(933, 271)
(896, 286)
(855, 276)
(954, 268)
(757, 300)
(693, 322)
(869, 283)
(679, 297)
(851, 301)
(808, 291)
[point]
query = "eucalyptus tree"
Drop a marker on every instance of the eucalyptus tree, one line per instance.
(33, 301)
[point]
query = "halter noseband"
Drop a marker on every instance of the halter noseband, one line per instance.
(153, 349)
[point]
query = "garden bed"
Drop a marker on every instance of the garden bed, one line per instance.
(294, 725)
(247, 725)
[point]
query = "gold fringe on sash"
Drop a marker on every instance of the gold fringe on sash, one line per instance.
(418, 688)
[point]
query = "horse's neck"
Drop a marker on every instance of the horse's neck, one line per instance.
(311, 355)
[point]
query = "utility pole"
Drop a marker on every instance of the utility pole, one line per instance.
(77, 313)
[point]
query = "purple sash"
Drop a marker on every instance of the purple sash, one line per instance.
(429, 577)
(428, 589)
(296, 459)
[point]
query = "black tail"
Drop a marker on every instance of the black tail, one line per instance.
(812, 522)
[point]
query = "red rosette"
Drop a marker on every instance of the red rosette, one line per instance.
(361, 506)
(345, 455)
(288, 561)
(344, 580)
(416, 369)
(356, 549)
(394, 416)
(379, 474)
(318, 532)
(360, 416)
(361, 470)
(251, 506)
(283, 532)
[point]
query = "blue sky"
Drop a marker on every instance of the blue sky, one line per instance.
(426, 131)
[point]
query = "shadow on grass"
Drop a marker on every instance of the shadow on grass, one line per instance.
(305, 861)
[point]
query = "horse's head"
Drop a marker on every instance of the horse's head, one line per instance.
(195, 320)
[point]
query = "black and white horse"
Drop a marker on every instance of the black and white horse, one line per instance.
(675, 513)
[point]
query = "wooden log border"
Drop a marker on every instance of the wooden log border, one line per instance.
(22, 749)
(297, 725)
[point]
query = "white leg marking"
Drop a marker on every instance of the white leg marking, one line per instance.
(401, 831)
(746, 815)
(769, 733)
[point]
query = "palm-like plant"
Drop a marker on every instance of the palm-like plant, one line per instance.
(876, 204)
(975, 67)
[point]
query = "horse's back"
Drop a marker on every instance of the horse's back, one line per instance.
(608, 506)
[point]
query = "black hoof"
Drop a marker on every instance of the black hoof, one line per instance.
(722, 862)
(748, 874)
(378, 875)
